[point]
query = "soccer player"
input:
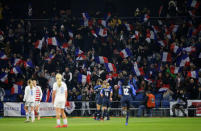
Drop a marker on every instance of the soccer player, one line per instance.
(98, 98)
(38, 98)
(59, 98)
(106, 94)
(125, 92)
(29, 99)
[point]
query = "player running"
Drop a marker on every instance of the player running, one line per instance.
(38, 98)
(126, 91)
(98, 98)
(106, 94)
(59, 98)
(29, 99)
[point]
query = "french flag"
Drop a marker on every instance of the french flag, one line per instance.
(102, 32)
(193, 74)
(82, 78)
(47, 97)
(28, 64)
(146, 78)
(50, 57)
(3, 56)
(183, 60)
(138, 71)
(79, 52)
(156, 29)
(167, 32)
(136, 35)
(110, 67)
(16, 89)
(175, 70)
(145, 17)
(4, 77)
(81, 57)
(17, 61)
(102, 22)
(129, 27)
(193, 3)
(87, 23)
(162, 43)
(101, 59)
(70, 34)
(85, 16)
(189, 49)
(148, 36)
(174, 48)
(108, 15)
(192, 12)
(166, 57)
(16, 70)
(174, 28)
(125, 53)
(39, 44)
(94, 33)
(52, 41)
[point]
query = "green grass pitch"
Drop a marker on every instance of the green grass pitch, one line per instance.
(115, 124)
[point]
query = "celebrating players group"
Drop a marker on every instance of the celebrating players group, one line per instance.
(33, 96)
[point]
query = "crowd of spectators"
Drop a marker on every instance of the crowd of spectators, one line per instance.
(148, 40)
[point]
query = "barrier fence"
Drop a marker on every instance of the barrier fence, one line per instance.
(88, 108)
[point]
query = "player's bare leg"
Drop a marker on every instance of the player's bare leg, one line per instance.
(38, 112)
(64, 118)
(27, 113)
(58, 117)
(32, 114)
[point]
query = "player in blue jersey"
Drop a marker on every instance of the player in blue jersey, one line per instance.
(126, 91)
(98, 99)
(106, 94)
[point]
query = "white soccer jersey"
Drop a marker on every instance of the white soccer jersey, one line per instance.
(60, 91)
(29, 94)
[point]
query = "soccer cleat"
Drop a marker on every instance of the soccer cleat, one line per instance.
(26, 121)
(64, 126)
(126, 124)
(58, 126)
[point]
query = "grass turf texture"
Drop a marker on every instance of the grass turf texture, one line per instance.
(115, 124)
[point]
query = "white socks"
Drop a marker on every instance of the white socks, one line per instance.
(27, 115)
(32, 116)
(65, 121)
(58, 122)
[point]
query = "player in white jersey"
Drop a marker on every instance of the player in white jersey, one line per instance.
(59, 98)
(38, 98)
(29, 99)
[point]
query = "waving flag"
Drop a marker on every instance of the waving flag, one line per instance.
(4, 77)
(101, 59)
(189, 49)
(145, 18)
(193, 3)
(167, 33)
(193, 74)
(28, 64)
(52, 41)
(102, 22)
(192, 12)
(166, 57)
(82, 78)
(129, 27)
(85, 16)
(138, 71)
(94, 33)
(16, 70)
(3, 56)
(125, 53)
(110, 67)
(107, 17)
(175, 70)
(78, 52)
(50, 57)
(39, 44)
(183, 60)
(162, 43)
(47, 96)
(174, 48)
(102, 32)
(174, 28)
(136, 35)
(17, 61)
(70, 34)
(16, 89)
(156, 29)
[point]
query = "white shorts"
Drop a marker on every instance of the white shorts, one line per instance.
(59, 104)
(37, 103)
(29, 104)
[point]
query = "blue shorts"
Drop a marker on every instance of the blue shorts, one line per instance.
(126, 101)
(99, 100)
(106, 102)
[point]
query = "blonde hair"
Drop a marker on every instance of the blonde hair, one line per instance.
(30, 83)
(58, 76)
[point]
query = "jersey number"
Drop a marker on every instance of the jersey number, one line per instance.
(126, 92)
(106, 94)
